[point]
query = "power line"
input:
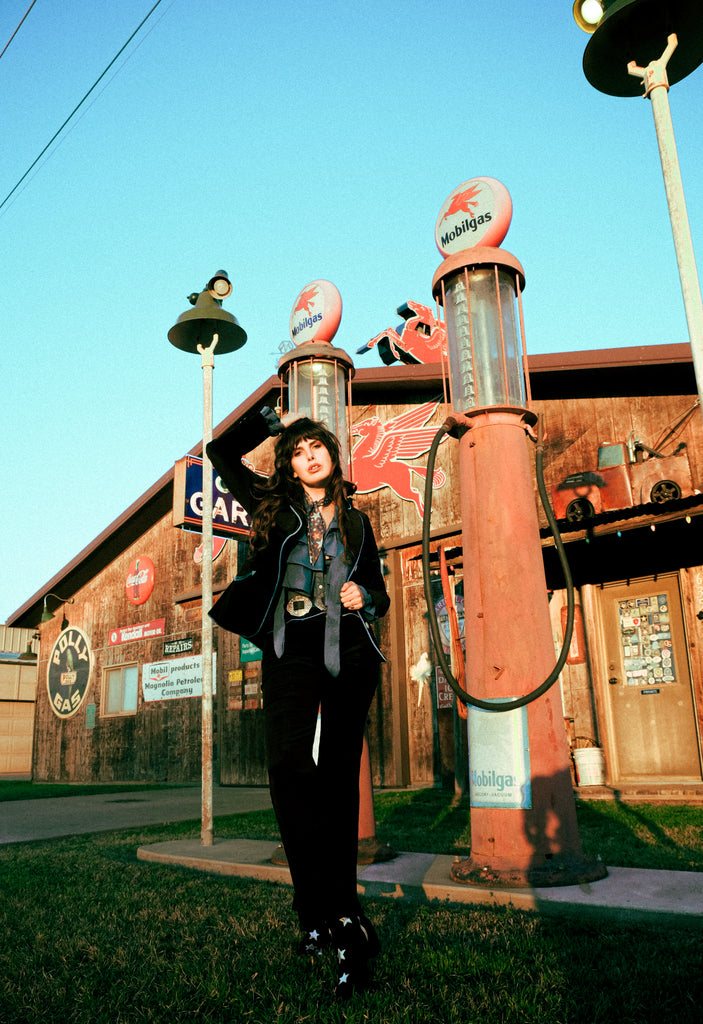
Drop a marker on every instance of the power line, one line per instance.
(77, 108)
(18, 27)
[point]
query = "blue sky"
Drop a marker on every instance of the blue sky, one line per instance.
(286, 142)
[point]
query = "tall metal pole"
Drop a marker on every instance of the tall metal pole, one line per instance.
(656, 84)
(206, 828)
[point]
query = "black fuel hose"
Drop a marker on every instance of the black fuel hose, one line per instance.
(462, 694)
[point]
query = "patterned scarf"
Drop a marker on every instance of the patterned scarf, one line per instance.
(316, 528)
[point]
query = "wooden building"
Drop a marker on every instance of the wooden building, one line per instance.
(633, 684)
(18, 684)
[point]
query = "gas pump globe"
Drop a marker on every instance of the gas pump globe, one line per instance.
(318, 378)
(481, 292)
(317, 374)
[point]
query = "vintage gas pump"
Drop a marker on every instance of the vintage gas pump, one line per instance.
(523, 819)
(319, 377)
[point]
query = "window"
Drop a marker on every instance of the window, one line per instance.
(120, 691)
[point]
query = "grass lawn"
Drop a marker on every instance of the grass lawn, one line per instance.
(90, 935)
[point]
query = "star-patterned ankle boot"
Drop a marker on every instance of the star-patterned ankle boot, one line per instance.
(315, 941)
(356, 942)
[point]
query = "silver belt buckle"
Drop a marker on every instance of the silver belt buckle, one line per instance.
(298, 605)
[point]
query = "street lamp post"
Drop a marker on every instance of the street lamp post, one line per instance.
(624, 52)
(203, 329)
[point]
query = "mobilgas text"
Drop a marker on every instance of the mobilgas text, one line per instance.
(466, 225)
(493, 779)
(307, 321)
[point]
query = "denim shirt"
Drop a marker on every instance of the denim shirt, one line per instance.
(301, 576)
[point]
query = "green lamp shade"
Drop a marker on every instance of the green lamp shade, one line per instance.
(198, 325)
(637, 30)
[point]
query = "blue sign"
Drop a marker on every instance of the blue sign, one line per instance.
(228, 516)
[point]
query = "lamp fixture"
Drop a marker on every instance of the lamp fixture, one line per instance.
(197, 326)
(47, 616)
(587, 14)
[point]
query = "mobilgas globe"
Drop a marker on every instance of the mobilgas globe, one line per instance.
(316, 313)
(477, 212)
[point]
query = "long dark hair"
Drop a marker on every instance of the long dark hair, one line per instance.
(282, 487)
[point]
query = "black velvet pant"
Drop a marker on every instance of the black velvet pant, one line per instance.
(317, 805)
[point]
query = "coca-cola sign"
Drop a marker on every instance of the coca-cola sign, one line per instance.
(140, 580)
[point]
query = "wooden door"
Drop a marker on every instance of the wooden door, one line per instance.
(648, 688)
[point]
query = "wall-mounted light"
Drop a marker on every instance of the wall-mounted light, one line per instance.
(47, 616)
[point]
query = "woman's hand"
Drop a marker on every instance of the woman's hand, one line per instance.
(351, 596)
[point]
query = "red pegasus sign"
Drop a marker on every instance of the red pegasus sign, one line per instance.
(378, 457)
(421, 339)
(463, 202)
(304, 300)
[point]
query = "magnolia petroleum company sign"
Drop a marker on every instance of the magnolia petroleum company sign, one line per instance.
(316, 313)
(68, 674)
(478, 212)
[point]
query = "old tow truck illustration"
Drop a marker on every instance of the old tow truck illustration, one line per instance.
(628, 473)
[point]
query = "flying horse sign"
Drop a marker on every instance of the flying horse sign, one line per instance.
(380, 455)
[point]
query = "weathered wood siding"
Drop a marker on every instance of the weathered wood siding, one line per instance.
(574, 428)
(412, 742)
(161, 741)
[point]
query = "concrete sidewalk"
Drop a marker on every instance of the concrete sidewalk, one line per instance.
(626, 895)
(24, 820)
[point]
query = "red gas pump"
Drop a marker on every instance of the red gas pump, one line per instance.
(523, 818)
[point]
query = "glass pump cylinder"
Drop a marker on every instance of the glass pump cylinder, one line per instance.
(480, 290)
(318, 378)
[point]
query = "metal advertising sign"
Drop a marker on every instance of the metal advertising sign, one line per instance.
(140, 580)
(316, 313)
(421, 338)
(500, 758)
(181, 646)
(382, 452)
(177, 677)
(478, 212)
(228, 516)
(68, 674)
(141, 631)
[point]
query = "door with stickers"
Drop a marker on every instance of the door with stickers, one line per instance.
(648, 688)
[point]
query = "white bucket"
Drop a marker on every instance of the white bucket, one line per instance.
(590, 766)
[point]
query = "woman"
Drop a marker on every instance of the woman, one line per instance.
(306, 594)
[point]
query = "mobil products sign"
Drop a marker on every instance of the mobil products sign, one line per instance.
(228, 516)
